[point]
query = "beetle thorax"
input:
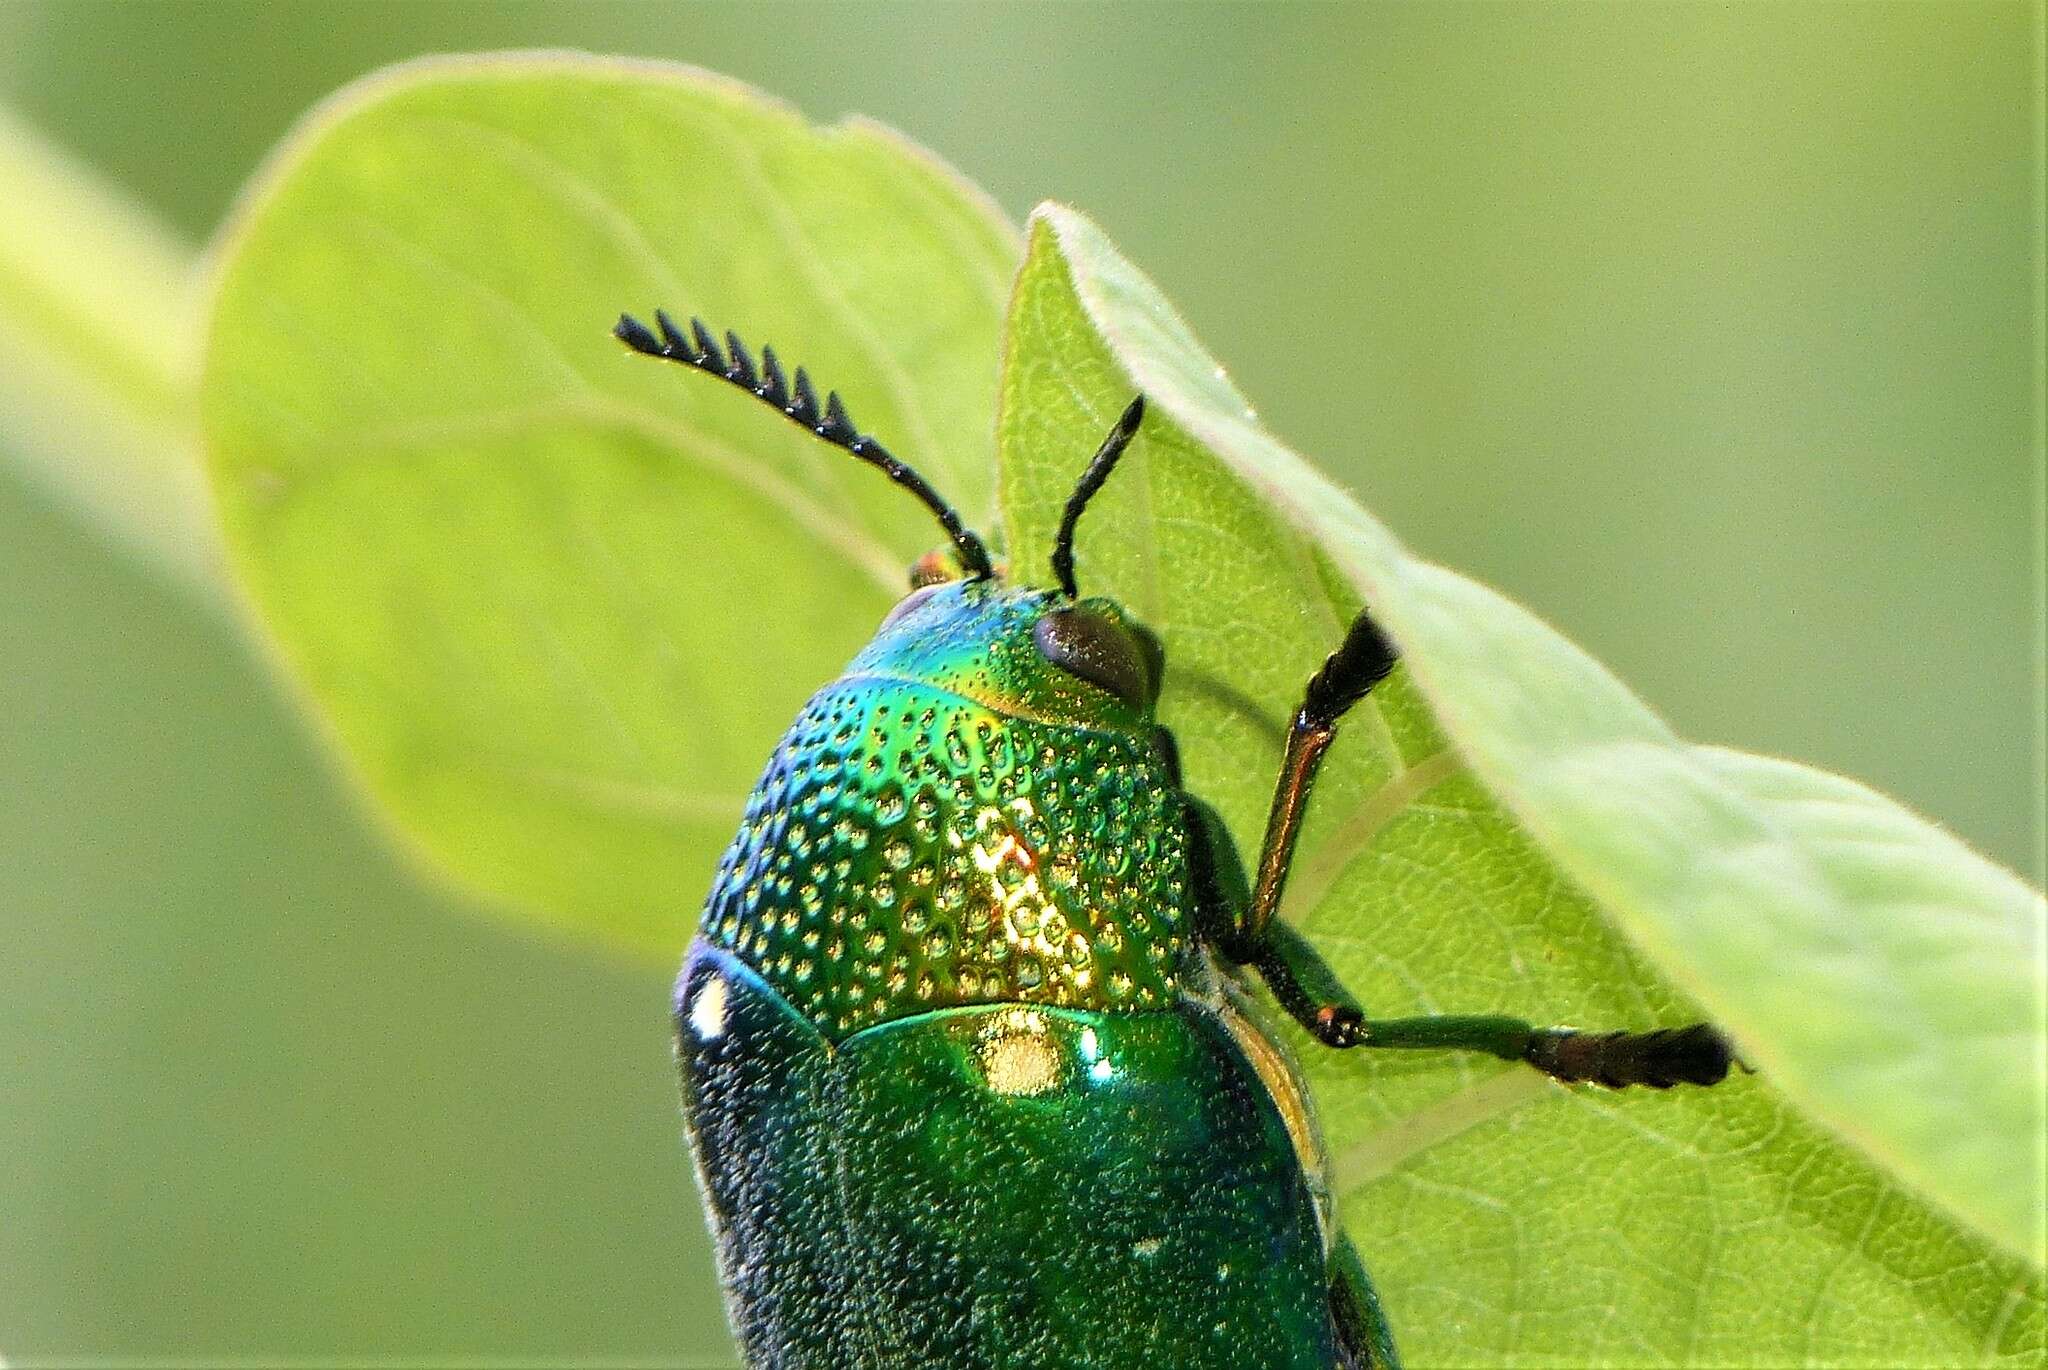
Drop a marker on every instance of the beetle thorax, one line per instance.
(911, 848)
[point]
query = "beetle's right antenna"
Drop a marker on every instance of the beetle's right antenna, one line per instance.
(799, 403)
(1091, 480)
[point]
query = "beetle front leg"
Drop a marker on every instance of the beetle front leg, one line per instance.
(1305, 987)
(1362, 661)
(1234, 918)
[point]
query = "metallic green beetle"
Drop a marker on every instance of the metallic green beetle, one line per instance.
(970, 1062)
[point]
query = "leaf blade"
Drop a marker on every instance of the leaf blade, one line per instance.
(556, 600)
(1459, 921)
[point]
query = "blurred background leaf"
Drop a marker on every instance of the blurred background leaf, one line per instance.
(96, 337)
(1479, 260)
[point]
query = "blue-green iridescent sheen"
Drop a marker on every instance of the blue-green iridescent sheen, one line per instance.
(1000, 1186)
(974, 638)
(937, 828)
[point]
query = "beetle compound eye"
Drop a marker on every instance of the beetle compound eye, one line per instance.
(1099, 650)
(1154, 652)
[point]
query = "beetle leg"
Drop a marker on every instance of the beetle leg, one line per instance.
(1359, 663)
(1234, 916)
(1697, 1054)
(1694, 1055)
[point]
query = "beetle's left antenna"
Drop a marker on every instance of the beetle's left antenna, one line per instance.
(1091, 480)
(798, 402)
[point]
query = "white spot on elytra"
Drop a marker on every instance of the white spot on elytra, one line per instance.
(707, 1010)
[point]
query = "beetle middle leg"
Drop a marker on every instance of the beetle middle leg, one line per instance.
(1693, 1055)
(1310, 993)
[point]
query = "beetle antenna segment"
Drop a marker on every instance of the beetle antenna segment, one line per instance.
(1091, 480)
(799, 402)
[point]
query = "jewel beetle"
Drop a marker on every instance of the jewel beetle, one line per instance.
(972, 1069)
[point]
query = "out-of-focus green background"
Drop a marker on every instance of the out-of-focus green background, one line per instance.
(1708, 331)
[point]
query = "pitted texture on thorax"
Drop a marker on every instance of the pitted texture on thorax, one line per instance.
(908, 849)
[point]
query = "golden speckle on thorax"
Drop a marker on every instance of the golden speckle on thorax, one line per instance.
(909, 849)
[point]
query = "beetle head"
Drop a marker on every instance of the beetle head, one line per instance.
(1046, 654)
(1052, 655)
(1022, 651)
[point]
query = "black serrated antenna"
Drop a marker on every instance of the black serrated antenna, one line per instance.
(1091, 480)
(799, 403)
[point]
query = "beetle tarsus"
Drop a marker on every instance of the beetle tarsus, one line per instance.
(1361, 661)
(1697, 1054)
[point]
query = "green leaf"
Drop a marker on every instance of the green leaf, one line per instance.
(1504, 828)
(556, 600)
(96, 383)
